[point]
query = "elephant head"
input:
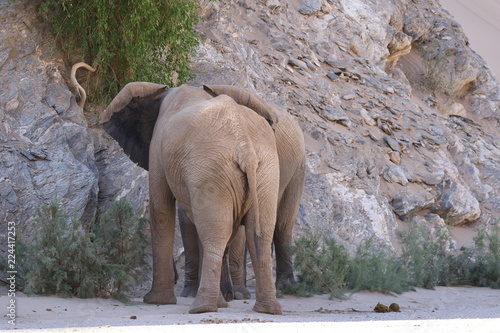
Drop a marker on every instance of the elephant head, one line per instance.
(131, 116)
(245, 98)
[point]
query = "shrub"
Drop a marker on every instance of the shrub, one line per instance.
(142, 40)
(423, 255)
(58, 259)
(376, 268)
(426, 260)
(121, 243)
(480, 265)
(66, 260)
(321, 266)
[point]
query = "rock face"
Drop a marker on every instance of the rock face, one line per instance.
(47, 150)
(401, 118)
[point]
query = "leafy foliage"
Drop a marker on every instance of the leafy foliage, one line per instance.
(423, 256)
(376, 268)
(66, 260)
(140, 40)
(121, 242)
(323, 266)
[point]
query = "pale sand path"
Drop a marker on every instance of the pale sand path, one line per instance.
(446, 309)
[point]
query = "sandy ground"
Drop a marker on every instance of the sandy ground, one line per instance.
(480, 20)
(445, 309)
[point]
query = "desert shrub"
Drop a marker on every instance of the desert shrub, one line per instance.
(120, 241)
(426, 260)
(66, 260)
(423, 255)
(478, 266)
(375, 267)
(58, 259)
(321, 265)
(141, 40)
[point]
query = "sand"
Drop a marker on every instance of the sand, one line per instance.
(445, 309)
(480, 20)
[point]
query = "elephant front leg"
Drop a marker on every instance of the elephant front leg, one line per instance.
(192, 254)
(237, 264)
(162, 237)
(226, 283)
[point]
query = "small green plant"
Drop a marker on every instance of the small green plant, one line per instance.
(141, 40)
(65, 259)
(57, 260)
(480, 265)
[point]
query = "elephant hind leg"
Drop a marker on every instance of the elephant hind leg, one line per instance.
(259, 248)
(214, 223)
(208, 298)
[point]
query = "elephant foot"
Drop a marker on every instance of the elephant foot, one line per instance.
(241, 293)
(160, 297)
(228, 297)
(286, 284)
(221, 302)
(189, 291)
(271, 307)
(199, 306)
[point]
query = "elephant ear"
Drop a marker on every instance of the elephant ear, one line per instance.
(131, 116)
(246, 98)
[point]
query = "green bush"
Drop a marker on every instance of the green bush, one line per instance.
(121, 243)
(321, 266)
(140, 40)
(64, 259)
(478, 266)
(423, 255)
(375, 267)
(426, 260)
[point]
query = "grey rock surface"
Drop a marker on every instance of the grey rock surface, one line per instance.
(47, 150)
(401, 117)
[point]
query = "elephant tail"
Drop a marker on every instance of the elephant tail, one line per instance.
(249, 163)
(254, 209)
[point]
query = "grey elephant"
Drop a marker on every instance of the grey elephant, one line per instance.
(218, 160)
(291, 154)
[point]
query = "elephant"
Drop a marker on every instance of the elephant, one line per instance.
(218, 160)
(291, 154)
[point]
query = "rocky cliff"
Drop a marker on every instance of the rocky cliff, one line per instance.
(401, 117)
(48, 151)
